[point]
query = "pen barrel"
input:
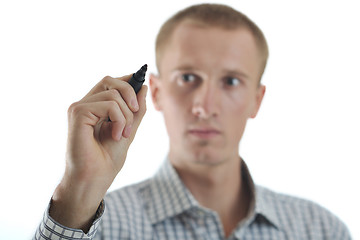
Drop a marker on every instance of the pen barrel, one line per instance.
(136, 83)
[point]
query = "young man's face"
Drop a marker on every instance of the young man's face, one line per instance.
(207, 89)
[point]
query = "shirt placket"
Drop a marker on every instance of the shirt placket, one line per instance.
(205, 225)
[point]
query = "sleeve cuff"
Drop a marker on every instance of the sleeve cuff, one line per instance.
(50, 229)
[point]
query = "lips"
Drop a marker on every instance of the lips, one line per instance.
(204, 133)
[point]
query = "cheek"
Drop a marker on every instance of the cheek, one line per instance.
(239, 104)
(174, 111)
(244, 101)
(176, 100)
(238, 111)
(235, 127)
(173, 105)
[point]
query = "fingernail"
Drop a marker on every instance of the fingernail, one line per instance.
(134, 104)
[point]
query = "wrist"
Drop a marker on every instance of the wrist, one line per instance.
(75, 205)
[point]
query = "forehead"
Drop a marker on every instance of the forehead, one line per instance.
(193, 43)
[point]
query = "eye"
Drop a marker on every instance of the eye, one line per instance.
(188, 77)
(232, 81)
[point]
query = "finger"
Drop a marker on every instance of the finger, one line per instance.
(128, 94)
(141, 98)
(138, 116)
(121, 85)
(114, 95)
(104, 84)
(95, 112)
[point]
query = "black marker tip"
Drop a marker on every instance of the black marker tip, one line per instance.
(141, 73)
(138, 78)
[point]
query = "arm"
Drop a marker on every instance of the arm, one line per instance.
(96, 149)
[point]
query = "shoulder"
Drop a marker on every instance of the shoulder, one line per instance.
(301, 215)
(277, 199)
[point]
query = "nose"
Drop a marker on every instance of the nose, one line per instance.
(206, 101)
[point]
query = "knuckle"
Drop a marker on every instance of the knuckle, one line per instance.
(114, 93)
(73, 108)
(114, 104)
(127, 112)
(106, 80)
(122, 120)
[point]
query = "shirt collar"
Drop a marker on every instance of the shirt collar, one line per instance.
(264, 206)
(168, 197)
(260, 206)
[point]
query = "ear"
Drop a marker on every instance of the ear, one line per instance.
(260, 92)
(154, 82)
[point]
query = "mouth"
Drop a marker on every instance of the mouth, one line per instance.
(204, 133)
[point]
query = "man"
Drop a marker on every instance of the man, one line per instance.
(210, 60)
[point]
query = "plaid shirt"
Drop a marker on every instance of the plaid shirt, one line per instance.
(163, 208)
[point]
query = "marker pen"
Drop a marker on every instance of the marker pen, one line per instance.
(138, 78)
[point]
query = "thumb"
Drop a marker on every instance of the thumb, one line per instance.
(138, 116)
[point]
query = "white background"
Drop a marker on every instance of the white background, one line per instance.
(305, 140)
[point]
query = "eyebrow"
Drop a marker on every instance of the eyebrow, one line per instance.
(237, 73)
(183, 68)
(187, 67)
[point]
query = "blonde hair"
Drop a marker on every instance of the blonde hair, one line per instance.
(212, 15)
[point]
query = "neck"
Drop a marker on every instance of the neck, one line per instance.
(220, 188)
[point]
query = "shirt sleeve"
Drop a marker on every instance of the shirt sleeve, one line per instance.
(49, 229)
(340, 231)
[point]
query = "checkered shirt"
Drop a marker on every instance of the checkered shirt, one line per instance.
(163, 208)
